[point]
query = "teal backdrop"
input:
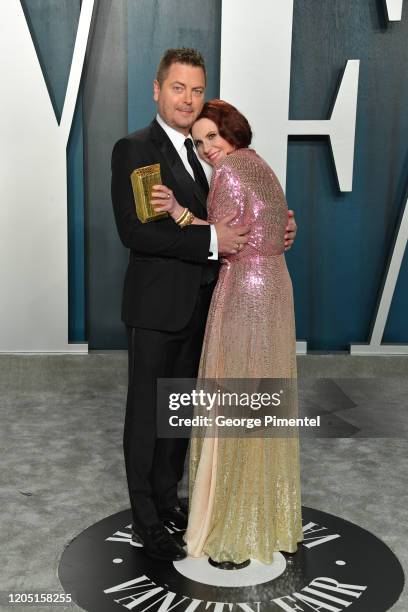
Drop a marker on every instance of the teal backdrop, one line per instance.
(345, 239)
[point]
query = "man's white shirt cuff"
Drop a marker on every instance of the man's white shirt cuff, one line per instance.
(213, 244)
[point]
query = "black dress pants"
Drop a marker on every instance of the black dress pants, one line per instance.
(154, 466)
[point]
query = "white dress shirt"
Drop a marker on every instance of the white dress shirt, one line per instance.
(177, 139)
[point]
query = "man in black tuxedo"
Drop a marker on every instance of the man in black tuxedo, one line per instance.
(167, 291)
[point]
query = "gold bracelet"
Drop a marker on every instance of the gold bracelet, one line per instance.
(182, 216)
(188, 219)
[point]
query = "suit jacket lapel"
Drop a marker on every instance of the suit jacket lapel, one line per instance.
(182, 177)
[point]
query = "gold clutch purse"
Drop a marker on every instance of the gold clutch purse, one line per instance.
(143, 180)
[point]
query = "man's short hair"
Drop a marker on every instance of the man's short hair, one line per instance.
(184, 55)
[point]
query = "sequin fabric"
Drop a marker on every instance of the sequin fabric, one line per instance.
(245, 493)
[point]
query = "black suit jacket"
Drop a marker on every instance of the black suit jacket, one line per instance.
(166, 264)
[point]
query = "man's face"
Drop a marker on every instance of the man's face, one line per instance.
(180, 97)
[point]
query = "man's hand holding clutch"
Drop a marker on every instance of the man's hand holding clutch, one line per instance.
(163, 200)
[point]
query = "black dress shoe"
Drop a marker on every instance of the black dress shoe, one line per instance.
(158, 543)
(174, 518)
(228, 565)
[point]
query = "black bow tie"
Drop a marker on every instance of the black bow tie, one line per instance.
(199, 174)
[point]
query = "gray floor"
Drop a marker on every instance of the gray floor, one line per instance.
(62, 467)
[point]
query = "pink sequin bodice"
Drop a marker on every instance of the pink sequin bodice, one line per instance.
(244, 183)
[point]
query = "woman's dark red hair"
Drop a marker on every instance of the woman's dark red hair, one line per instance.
(231, 124)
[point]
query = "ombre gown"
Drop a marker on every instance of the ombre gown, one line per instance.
(245, 492)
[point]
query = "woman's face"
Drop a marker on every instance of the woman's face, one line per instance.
(211, 147)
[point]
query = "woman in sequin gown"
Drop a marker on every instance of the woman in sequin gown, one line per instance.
(245, 492)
